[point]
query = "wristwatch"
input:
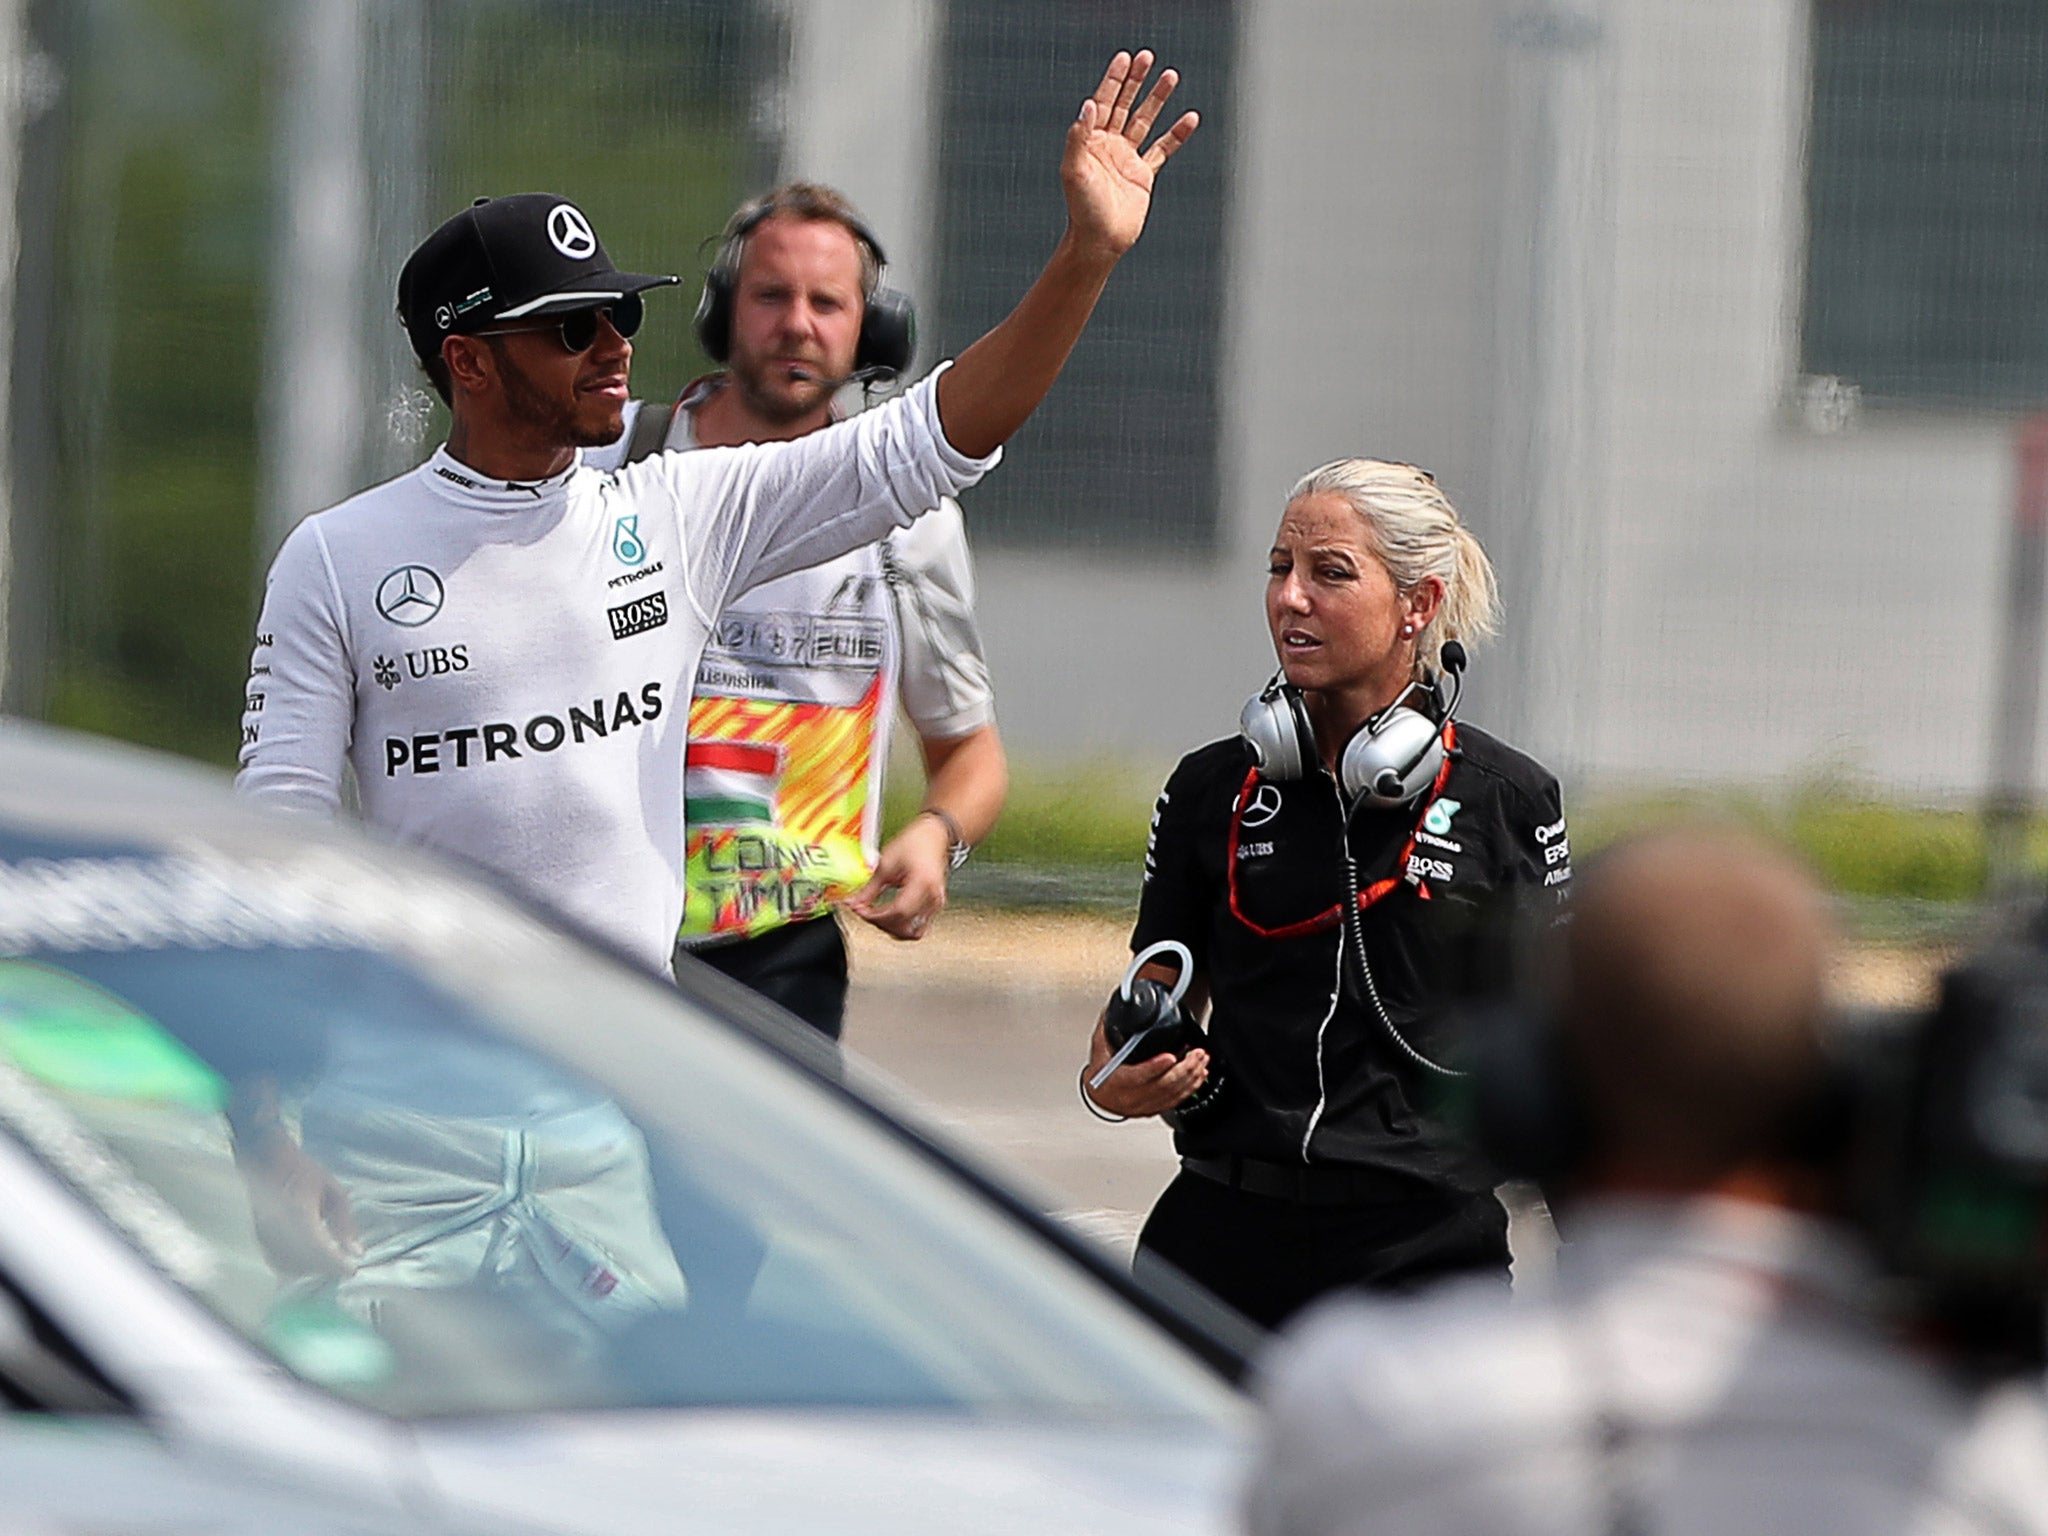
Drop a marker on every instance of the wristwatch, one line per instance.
(957, 846)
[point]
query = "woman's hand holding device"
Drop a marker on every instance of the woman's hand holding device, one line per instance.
(1148, 1056)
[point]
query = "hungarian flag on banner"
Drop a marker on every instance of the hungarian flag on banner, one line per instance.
(730, 782)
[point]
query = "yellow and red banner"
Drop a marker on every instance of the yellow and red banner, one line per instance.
(778, 801)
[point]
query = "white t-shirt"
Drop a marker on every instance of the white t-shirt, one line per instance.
(508, 666)
(1702, 1367)
(789, 725)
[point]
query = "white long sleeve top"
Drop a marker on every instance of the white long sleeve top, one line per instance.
(508, 666)
(1702, 1367)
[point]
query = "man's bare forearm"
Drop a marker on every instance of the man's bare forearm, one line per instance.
(995, 385)
(967, 777)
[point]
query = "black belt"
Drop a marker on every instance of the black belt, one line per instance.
(1310, 1183)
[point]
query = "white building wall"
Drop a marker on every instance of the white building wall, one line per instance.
(1761, 603)
(858, 110)
(1362, 139)
(1779, 604)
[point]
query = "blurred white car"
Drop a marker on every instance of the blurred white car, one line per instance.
(69, 1477)
(313, 1149)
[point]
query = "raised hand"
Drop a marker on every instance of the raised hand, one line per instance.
(1106, 172)
(1107, 175)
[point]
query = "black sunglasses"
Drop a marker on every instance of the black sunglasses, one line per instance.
(578, 328)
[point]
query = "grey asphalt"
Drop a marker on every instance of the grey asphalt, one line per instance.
(998, 1067)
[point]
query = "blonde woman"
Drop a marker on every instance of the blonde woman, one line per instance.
(1333, 872)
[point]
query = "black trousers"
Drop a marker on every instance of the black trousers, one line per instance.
(1269, 1258)
(801, 966)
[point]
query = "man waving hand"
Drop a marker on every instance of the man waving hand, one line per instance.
(501, 640)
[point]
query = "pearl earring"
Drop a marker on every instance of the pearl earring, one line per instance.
(1407, 629)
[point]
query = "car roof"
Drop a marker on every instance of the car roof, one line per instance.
(68, 779)
(70, 796)
(90, 1474)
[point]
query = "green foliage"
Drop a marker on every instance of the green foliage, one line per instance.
(635, 122)
(1859, 845)
(1874, 849)
(164, 210)
(639, 111)
(1095, 817)
(1090, 815)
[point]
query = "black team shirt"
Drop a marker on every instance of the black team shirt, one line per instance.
(1250, 875)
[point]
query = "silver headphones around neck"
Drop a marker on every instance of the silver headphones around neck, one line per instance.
(1388, 761)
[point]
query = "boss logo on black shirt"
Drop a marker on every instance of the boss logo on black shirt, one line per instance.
(1420, 868)
(638, 616)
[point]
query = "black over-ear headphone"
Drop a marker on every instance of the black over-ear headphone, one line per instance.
(1388, 761)
(888, 322)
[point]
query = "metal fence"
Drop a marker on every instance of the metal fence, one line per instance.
(1719, 322)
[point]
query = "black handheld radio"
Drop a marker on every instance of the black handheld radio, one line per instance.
(1144, 1018)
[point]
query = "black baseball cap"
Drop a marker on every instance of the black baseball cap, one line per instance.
(507, 258)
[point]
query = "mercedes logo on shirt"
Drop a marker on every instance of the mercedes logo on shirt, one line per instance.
(410, 595)
(1263, 806)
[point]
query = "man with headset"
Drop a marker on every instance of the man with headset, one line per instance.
(1709, 1358)
(789, 726)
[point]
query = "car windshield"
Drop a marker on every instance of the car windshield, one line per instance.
(472, 1169)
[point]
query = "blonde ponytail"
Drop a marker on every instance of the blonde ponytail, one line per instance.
(1418, 534)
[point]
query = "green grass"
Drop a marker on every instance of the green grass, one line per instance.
(1091, 816)
(1093, 819)
(1859, 845)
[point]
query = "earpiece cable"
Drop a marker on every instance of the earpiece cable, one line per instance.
(1357, 931)
(1164, 946)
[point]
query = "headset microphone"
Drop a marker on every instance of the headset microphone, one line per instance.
(1453, 657)
(875, 374)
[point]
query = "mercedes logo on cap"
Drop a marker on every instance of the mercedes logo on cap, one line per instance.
(571, 232)
(410, 595)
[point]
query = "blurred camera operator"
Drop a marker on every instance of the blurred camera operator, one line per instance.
(790, 722)
(1710, 1357)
